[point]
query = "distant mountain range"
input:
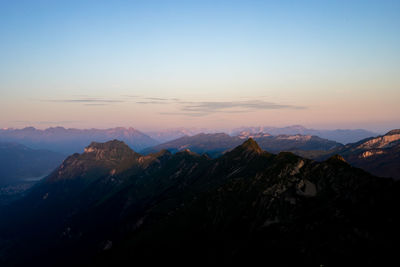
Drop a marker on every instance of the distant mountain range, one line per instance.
(166, 135)
(380, 161)
(67, 141)
(111, 206)
(70, 141)
(343, 136)
(219, 143)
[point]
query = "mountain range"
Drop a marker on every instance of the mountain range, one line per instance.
(219, 143)
(166, 135)
(379, 155)
(67, 141)
(111, 206)
(343, 136)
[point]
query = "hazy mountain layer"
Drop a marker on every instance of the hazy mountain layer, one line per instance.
(69, 141)
(343, 136)
(166, 135)
(19, 163)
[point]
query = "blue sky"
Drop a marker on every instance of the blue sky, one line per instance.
(330, 64)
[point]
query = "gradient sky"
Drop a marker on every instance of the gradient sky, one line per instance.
(217, 64)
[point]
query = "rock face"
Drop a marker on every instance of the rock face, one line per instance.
(378, 155)
(385, 141)
(112, 150)
(112, 206)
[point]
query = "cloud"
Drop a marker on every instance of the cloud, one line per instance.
(102, 101)
(209, 107)
(131, 96)
(185, 108)
(88, 101)
(44, 122)
(152, 102)
(190, 114)
(158, 100)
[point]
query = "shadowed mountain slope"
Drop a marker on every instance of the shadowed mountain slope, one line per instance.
(378, 155)
(111, 206)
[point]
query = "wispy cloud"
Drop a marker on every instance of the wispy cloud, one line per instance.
(102, 101)
(209, 107)
(43, 122)
(203, 108)
(158, 100)
(131, 96)
(89, 101)
(190, 114)
(184, 107)
(219, 106)
(152, 102)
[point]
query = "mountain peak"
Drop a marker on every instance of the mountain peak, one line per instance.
(337, 158)
(250, 145)
(114, 156)
(113, 144)
(111, 149)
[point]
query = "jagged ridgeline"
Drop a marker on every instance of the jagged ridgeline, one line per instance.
(114, 207)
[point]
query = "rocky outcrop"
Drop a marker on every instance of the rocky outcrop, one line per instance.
(379, 155)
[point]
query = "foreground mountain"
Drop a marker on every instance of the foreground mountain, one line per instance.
(378, 155)
(19, 163)
(339, 135)
(112, 206)
(69, 141)
(219, 143)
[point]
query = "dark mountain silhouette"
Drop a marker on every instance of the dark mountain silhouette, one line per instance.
(69, 141)
(112, 206)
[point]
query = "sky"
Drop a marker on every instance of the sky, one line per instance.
(213, 64)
